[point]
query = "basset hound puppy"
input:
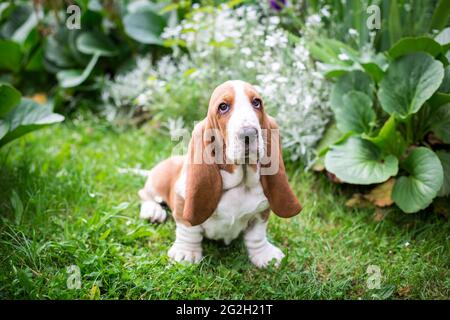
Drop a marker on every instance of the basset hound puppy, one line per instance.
(230, 179)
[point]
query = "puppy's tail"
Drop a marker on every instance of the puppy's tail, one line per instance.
(135, 171)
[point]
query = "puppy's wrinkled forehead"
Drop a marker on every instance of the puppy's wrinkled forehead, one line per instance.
(227, 91)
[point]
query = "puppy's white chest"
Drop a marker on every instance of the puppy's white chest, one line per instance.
(243, 198)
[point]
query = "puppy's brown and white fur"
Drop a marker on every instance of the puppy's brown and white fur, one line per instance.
(220, 201)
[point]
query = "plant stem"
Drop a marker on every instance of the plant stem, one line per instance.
(409, 131)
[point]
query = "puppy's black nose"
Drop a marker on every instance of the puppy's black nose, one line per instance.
(248, 134)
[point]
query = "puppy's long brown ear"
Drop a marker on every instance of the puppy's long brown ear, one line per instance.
(204, 183)
(274, 181)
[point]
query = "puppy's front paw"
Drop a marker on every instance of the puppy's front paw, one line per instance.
(183, 254)
(152, 211)
(263, 256)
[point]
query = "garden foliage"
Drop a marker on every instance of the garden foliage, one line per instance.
(392, 118)
(19, 116)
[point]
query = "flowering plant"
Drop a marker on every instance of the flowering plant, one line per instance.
(244, 43)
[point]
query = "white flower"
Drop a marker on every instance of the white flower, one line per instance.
(275, 66)
(353, 32)
(274, 20)
(313, 20)
(325, 12)
(141, 99)
(246, 51)
(343, 57)
(250, 64)
(299, 65)
(271, 41)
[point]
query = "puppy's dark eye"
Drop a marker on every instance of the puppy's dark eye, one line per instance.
(224, 107)
(256, 103)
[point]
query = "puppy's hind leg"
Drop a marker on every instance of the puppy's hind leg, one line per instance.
(159, 189)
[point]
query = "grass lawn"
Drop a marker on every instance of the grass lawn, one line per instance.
(63, 202)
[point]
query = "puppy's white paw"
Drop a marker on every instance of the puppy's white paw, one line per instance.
(152, 211)
(263, 256)
(183, 254)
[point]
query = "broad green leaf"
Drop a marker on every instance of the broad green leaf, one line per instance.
(4, 127)
(358, 161)
(389, 139)
(24, 30)
(440, 123)
(144, 26)
(96, 43)
(57, 53)
(10, 55)
(76, 55)
(444, 157)
(73, 78)
(375, 66)
(331, 136)
(26, 117)
(357, 81)
(410, 45)
(443, 38)
(333, 71)
(356, 113)
(18, 15)
(442, 96)
(417, 190)
(374, 70)
(36, 61)
(9, 98)
(409, 81)
(445, 85)
(3, 9)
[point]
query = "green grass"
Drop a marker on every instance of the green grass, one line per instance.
(63, 202)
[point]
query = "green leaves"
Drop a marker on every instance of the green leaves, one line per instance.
(409, 82)
(410, 45)
(26, 117)
(355, 114)
(359, 161)
(355, 80)
(93, 43)
(440, 123)
(444, 157)
(10, 55)
(389, 139)
(9, 98)
(417, 190)
(18, 117)
(144, 26)
(73, 78)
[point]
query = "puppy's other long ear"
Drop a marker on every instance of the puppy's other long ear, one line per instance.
(275, 184)
(204, 183)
